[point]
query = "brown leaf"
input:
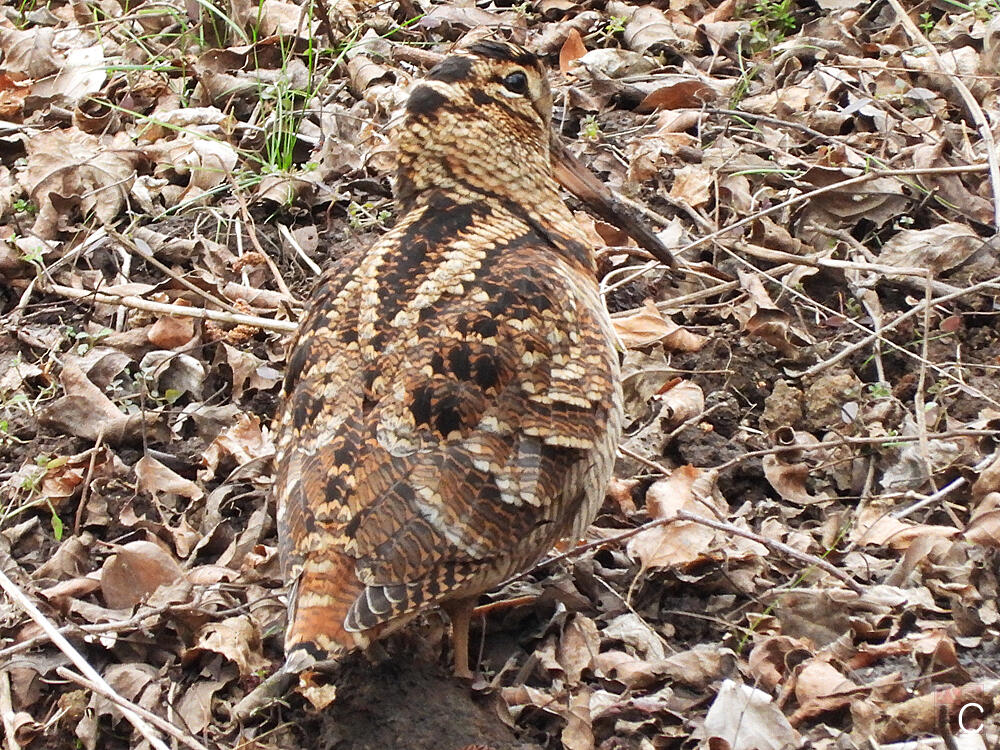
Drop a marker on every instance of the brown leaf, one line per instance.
(874, 525)
(241, 443)
(86, 412)
(821, 688)
(155, 478)
(135, 572)
(236, 638)
(578, 733)
(937, 249)
(578, 645)
(71, 175)
(776, 328)
(170, 332)
(692, 185)
(769, 659)
(195, 704)
(648, 326)
(572, 49)
(682, 95)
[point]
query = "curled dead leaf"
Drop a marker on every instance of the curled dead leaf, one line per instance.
(680, 401)
(647, 326)
(155, 478)
(235, 638)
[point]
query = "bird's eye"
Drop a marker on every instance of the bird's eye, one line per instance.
(516, 82)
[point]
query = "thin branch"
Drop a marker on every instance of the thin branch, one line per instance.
(912, 312)
(974, 109)
(138, 303)
(285, 232)
(125, 704)
(22, 601)
(7, 712)
(135, 245)
(793, 201)
(772, 544)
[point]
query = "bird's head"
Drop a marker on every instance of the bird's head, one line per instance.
(479, 123)
(479, 126)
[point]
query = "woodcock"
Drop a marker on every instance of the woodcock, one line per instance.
(452, 403)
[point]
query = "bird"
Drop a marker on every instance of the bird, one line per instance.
(452, 401)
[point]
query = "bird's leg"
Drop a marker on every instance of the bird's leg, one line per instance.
(460, 613)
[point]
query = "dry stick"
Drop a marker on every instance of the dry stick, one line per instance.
(919, 405)
(300, 251)
(66, 647)
(683, 515)
(938, 287)
(133, 246)
(7, 712)
(138, 303)
(915, 310)
(84, 493)
(86, 630)
(252, 234)
(125, 704)
(718, 525)
(975, 111)
(871, 336)
(791, 202)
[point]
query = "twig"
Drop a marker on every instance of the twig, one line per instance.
(915, 310)
(300, 251)
(772, 544)
(794, 201)
(718, 525)
(974, 109)
(7, 712)
(134, 245)
(82, 505)
(938, 287)
(842, 442)
(919, 404)
(138, 303)
(125, 704)
(67, 648)
(930, 499)
(252, 234)
(73, 630)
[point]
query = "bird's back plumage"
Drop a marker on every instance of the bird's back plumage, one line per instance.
(452, 401)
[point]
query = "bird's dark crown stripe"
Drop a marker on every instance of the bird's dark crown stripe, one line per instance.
(451, 69)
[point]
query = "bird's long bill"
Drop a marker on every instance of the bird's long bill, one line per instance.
(580, 181)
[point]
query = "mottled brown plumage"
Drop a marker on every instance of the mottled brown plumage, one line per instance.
(452, 401)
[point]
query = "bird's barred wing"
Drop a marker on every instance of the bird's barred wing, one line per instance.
(453, 454)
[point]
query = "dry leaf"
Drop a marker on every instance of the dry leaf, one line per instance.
(692, 185)
(236, 638)
(86, 412)
(747, 719)
(135, 571)
(821, 688)
(572, 50)
(578, 646)
(155, 478)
